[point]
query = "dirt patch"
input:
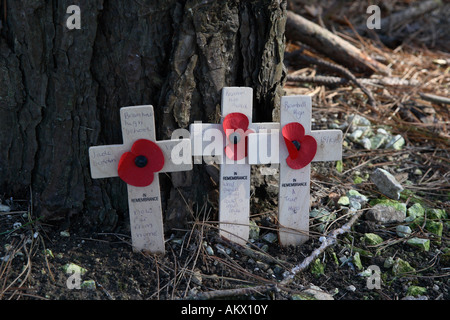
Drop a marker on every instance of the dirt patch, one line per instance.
(197, 261)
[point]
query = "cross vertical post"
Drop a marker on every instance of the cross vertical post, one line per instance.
(144, 200)
(212, 139)
(295, 175)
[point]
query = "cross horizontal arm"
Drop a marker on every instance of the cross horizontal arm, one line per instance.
(104, 160)
(265, 148)
(207, 138)
(177, 155)
(329, 145)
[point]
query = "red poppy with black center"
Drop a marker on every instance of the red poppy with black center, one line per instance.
(138, 166)
(236, 129)
(302, 148)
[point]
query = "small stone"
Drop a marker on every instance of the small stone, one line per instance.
(209, 250)
(4, 208)
(436, 214)
(88, 285)
(358, 180)
(396, 143)
(344, 201)
(254, 230)
(403, 231)
(366, 143)
(73, 268)
(357, 121)
(221, 249)
(356, 135)
(386, 183)
(317, 294)
(401, 266)
(385, 214)
(351, 288)
(423, 244)
(378, 140)
(415, 211)
(399, 206)
(418, 172)
(416, 291)
(357, 261)
(415, 298)
(435, 227)
(388, 263)
(64, 234)
(372, 239)
(270, 237)
(354, 196)
(355, 204)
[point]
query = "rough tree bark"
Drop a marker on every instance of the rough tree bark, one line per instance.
(61, 90)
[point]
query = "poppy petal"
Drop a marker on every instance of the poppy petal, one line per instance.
(151, 151)
(131, 173)
(302, 148)
(293, 131)
(141, 173)
(237, 149)
(234, 121)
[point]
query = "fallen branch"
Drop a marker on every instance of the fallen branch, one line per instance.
(338, 69)
(331, 45)
(329, 241)
(220, 294)
(333, 81)
(434, 98)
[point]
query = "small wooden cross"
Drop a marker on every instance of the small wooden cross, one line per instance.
(294, 184)
(230, 149)
(138, 161)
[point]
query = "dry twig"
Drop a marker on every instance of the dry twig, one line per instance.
(328, 241)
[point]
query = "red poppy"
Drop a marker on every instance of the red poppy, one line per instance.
(302, 148)
(236, 129)
(138, 166)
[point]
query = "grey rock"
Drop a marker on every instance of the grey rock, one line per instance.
(415, 298)
(385, 214)
(4, 208)
(356, 122)
(254, 230)
(270, 237)
(356, 199)
(209, 250)
(395, 143)
(366, 143)
(403, 231)
(386, 183)
(317, 293)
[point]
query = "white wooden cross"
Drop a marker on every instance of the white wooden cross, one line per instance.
(294, 184)
(144, 202)
(210, 140)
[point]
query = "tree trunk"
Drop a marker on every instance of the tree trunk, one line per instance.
(61, 91)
